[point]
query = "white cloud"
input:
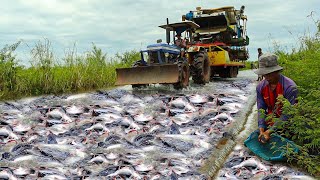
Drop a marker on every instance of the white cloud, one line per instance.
(122, 25)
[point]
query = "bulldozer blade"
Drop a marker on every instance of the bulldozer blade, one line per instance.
(148, 74)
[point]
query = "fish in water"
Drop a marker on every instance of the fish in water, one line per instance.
(174, 129)
(179, 103)
(74, 110)
(100, 159)
(144, 167)
(109, 170)
(112, 156)
(198, 99)
(59, 115)
(182, 118)
(22, 172)
(143, 140)
(177, 144)
(21, 128)
(126, 171)
(252, 163)
(142, 118)
(130, 99)
(234, 161)
(51, 138)
(6, 174)
(121, 134)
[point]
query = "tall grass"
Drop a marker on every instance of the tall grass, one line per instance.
(303, 66)
(8, 70)
(48, 75)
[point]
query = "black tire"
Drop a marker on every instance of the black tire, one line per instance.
(138, 86)
(229, 72)
(184, 75)
(235, 70)
(225, 72)
(201, 69)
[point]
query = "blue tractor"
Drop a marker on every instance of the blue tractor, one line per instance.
(161, 63)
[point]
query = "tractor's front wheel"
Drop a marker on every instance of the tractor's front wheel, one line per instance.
(184, 74)
(201, 68)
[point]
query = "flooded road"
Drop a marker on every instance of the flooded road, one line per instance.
(152, 133)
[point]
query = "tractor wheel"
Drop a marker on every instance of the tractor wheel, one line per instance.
(201, 69)
(138, 86)
(184, 75)
(234, 71)
(226, 72)
(230, 72)
(223, 73)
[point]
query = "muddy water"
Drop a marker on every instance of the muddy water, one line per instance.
(152, 133)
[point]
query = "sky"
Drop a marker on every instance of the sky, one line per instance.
(117, 26)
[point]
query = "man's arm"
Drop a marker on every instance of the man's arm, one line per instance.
(264, 135)
(291, 94)
(261, 105)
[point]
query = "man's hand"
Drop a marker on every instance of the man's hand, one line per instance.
(264, 136)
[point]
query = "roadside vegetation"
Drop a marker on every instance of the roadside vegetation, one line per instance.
(249, 64)
(48, 75)
(303, 66)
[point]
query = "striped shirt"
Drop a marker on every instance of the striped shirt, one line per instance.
(290, 92)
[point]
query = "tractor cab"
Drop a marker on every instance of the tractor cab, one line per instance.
(168, 53)
(185, 28)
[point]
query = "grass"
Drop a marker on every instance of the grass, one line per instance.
(74, 73)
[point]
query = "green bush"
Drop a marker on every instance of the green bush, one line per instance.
(303, 127)
(302, 65)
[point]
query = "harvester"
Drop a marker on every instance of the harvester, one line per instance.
(222, 33)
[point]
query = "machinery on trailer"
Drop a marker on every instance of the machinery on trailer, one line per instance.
(219, 42)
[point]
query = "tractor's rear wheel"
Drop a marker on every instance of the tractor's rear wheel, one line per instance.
(138, 86)
(184, 74)
(201, 69)
(234, 71)
(229, 72)
(223, 73)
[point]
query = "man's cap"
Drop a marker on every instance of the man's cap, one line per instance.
(268, 63)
